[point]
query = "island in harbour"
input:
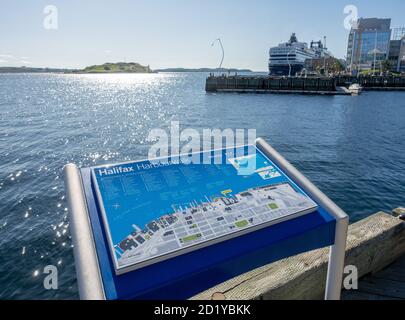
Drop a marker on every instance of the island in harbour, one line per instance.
(120, 67)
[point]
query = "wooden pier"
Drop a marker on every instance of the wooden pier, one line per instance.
(373, 82)
(300, 85)
(388, 284)
(375, 245)
(263, 84)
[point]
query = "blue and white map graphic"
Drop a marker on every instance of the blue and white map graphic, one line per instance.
(153, 210)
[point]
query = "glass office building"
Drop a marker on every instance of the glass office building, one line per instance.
(369, 43)
(397, 50)
(397, 55)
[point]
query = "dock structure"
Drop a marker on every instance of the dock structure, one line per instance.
(300, 85)
(373, 82)
(264, 84)
(387, 284)
(375, 246)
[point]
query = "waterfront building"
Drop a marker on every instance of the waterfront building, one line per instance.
(288, 58)
(401, 61)
(396, 57)
(398, 33)
(368, 44)
(397, 50)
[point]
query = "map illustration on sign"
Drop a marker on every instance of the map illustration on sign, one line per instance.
(154, 211)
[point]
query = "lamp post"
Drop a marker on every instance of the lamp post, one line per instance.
(375, 49)
(399, 63)
(289, 64)
(402, 47)
(352, 57)
(360, 57)
(374, 52)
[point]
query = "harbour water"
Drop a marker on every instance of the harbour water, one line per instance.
(353, 148)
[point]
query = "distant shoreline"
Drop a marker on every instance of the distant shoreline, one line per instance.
(223, 70)
(121, 68)
(34, 70)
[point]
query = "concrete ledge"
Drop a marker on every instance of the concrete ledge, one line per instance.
(373, 244)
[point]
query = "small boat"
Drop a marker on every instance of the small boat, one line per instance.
(355, 89)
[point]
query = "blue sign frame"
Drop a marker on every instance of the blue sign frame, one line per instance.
(191, 273)
(137, 201)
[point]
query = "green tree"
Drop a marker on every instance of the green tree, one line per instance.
(386, 65)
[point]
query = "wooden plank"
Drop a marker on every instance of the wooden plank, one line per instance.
(393, 273)
(383, 287)
(400, 263)
(359, 295)
(388, 284)
(373, 243)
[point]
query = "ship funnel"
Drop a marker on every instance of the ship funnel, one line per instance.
(293, 38)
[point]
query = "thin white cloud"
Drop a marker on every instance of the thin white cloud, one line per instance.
(25, 62)
(3, 61)
(107, 51)
(6, 56)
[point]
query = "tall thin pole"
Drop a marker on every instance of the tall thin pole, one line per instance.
(375, 49)
(289, 64)
(401, 55)
(324, 57)
(360, 55)
(352, 57)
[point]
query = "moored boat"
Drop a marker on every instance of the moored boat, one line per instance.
(355, 89)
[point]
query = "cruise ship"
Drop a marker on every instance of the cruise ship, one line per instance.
(288, 58)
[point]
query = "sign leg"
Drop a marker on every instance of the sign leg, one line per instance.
(87, 269)
(336, 261)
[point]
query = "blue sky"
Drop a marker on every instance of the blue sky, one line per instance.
(170, 33)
